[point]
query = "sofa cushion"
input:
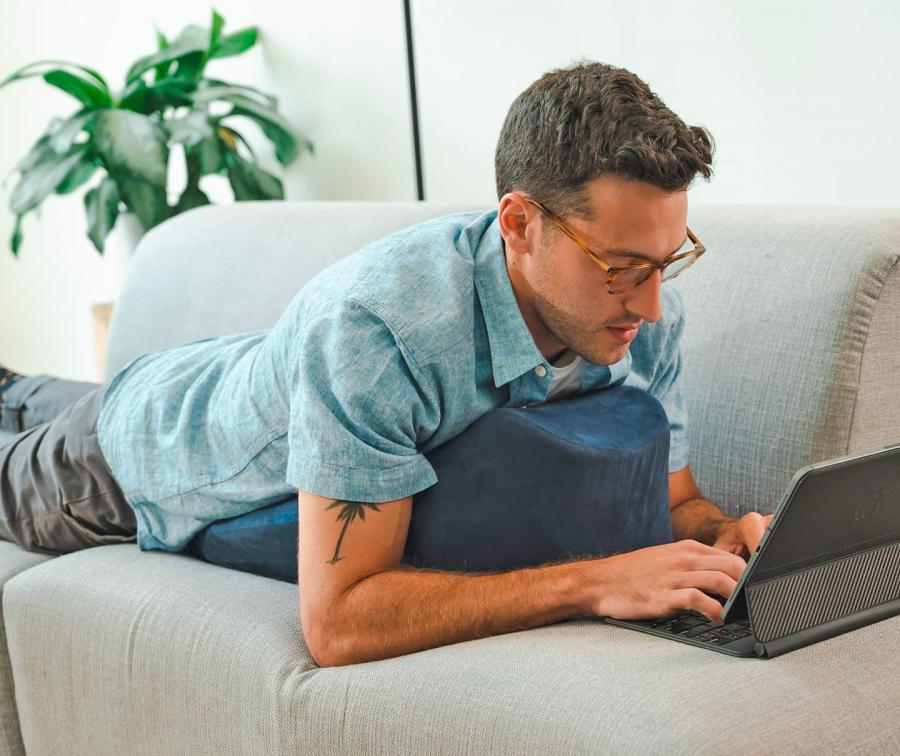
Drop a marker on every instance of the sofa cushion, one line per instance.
(585, 476)
(790, 344)
(148, 652)
(13, 560)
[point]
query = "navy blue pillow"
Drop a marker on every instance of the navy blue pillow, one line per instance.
(579, 477)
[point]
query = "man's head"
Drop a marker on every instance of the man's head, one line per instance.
(599, 150)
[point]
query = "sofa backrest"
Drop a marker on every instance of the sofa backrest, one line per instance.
(791, 350)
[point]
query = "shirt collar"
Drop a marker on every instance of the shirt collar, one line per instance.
(513, 351)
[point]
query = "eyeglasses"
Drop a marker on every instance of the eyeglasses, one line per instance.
(629, 276)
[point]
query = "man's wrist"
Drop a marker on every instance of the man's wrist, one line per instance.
(699, 519)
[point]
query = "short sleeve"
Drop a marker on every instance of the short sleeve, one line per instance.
(657, 365)
(666, 387)
(359, 408)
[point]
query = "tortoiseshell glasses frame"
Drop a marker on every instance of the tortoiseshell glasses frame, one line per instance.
(645, 269)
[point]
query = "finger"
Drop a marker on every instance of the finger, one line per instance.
(721, 561)
(698, 601)
(707, 580)
(751, 530)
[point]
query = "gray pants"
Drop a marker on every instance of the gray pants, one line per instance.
(57, 493)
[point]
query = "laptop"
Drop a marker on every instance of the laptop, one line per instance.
(828, 563)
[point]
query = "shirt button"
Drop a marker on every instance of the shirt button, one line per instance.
(540, 371)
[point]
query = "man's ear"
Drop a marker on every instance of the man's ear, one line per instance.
(518, 225)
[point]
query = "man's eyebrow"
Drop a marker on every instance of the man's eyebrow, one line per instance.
(639, 255)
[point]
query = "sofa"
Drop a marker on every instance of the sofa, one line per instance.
(792, 355)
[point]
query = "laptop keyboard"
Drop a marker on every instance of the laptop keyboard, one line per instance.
(699, 627)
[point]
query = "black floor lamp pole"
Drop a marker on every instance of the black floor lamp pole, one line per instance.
(414, 104)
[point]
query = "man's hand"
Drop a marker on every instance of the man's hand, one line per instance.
(742, 536)
(659, 581)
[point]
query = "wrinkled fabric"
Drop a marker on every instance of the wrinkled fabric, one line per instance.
(381, 357)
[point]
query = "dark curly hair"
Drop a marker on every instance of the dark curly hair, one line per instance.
(576, 124)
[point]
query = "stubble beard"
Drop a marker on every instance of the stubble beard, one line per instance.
(588, 345)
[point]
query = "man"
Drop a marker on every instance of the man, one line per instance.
(395, 350)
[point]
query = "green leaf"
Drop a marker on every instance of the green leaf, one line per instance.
(223, 87)
(210, 90)
(146, 201)
(272, 123)
(68, 130)
(190, 129)
(78, 175)
(42, 179)
(190, 67)
(39, 150)
(133, 148)
(249, 182)
(102, 206)
(170, 92)
(132, 144)
(191, 41)
(81, 89)
(209, 156)
(15, 241)
(61, 132)
(235, 44)
(215, 32)
(232, 137)
(160, 71)
(26, 72)
(275, 128)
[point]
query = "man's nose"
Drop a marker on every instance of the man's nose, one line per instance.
(644, 300)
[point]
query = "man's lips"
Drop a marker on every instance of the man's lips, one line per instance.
(624, 335)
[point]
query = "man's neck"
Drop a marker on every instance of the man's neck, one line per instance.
(546, 343)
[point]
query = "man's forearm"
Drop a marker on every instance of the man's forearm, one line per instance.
(407, 610)
(699, 519)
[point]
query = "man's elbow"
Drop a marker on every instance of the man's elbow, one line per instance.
(323, 644)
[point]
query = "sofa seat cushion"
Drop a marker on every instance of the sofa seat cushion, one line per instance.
(13, 560)
(148, 652)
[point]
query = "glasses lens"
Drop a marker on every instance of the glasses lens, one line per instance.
(679, 266)
(628, 279)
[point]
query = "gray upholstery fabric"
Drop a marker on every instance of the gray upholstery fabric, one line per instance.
(790, 357)
(117, 651)
(13, 560)
(5, 436)
(790, 346)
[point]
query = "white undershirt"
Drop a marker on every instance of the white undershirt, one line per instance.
(566, 374)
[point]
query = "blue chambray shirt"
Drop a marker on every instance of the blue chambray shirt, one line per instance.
(381, 357)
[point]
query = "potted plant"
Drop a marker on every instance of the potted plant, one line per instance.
(126, 135)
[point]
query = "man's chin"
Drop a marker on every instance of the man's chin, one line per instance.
(607, 356)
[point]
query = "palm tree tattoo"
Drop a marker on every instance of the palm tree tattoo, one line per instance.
(350, 511)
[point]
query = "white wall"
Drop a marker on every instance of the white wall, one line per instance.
(801, 98)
